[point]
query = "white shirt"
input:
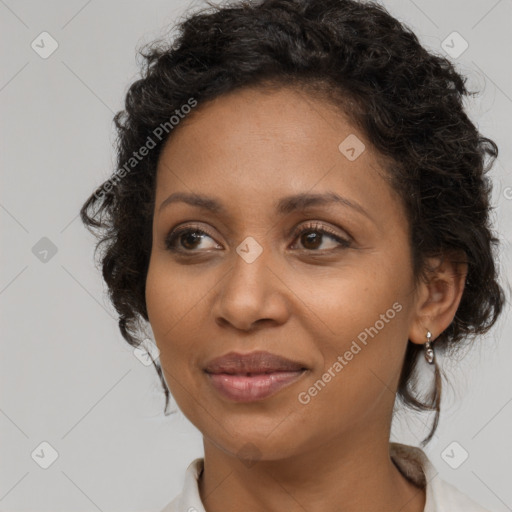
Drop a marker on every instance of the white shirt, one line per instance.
(411, 461)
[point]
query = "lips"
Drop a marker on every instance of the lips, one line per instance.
(252, 377)
(255, 362)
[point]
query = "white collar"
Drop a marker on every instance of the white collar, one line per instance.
(410, 460)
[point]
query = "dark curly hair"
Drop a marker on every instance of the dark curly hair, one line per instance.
(407, 101)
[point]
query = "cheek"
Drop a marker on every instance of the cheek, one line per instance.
(170, 311)
(167, 307)
(172, 299)
(363, 320)
(354, 298)
(361, 362)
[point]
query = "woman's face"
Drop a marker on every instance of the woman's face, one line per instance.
(340, 303)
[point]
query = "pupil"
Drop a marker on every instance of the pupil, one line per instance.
(194, 236)
(311, 238)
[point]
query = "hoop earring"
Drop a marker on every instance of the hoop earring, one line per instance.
(429, 350)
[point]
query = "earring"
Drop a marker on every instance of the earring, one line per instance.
(429, 351)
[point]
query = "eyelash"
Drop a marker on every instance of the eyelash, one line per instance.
(315, 227)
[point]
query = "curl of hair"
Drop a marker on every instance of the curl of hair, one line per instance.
(407, 101)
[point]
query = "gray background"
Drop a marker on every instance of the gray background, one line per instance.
(67, 376)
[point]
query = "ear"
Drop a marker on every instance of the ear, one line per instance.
(438, 296)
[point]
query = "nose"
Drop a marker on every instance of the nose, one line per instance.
(252, 294)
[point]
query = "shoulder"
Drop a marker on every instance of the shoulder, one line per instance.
(172, 506)
(450, 499)
(188, 500)
(414, 464)
(441, 496)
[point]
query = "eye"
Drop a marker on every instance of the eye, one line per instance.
(312, 235)
(187, 239)
(191, 238)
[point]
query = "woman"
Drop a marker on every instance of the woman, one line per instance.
(301, 215)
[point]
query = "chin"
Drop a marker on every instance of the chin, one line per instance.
(253, 440)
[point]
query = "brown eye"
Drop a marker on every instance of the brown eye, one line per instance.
(312, 236)
(186, 239)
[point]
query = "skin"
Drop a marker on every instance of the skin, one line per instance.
(303, 298)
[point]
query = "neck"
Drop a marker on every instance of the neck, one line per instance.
(344, 475)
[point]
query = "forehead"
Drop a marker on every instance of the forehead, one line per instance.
(254, 145)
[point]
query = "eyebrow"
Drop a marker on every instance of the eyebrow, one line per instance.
(284, 206)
